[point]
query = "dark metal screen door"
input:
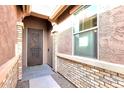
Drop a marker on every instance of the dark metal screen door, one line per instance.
(35, 47)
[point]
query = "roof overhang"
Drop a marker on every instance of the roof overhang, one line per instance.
(26, 9)
(68, 12)
(63, 12)
(57, 16)
(57, 12)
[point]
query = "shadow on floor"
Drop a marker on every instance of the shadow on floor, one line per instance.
(22, 84)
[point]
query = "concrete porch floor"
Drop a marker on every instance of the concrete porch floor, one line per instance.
(36, 71)
(42, 76)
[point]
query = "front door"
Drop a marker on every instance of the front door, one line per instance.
(35, 47)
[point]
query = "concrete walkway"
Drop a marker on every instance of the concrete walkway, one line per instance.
(43, 82)
(40, 77)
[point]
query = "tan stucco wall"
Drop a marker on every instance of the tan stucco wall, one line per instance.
(36, 23)
(8, 18)
(111, 35)
(65, 41)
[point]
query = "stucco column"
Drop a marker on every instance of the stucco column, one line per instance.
(19, 48)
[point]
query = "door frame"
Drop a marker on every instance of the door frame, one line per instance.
(26, 29)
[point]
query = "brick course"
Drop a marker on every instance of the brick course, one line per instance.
(9, 73)
(86, 76)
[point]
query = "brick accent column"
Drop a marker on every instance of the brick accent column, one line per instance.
(19, 48)
(54, 51)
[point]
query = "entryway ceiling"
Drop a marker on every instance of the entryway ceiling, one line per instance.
(53, 13)
(44, 9)
(50, 12)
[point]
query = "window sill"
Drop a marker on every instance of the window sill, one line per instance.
(94, 62)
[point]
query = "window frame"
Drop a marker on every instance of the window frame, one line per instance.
(86, 30)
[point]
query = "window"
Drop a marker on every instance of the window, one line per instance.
(85, 31)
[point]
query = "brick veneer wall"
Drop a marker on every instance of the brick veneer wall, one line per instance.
(87, 76)
(20, 68)
(9, 73)
(19, 47)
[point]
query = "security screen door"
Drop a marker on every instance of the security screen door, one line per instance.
(35, 47)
